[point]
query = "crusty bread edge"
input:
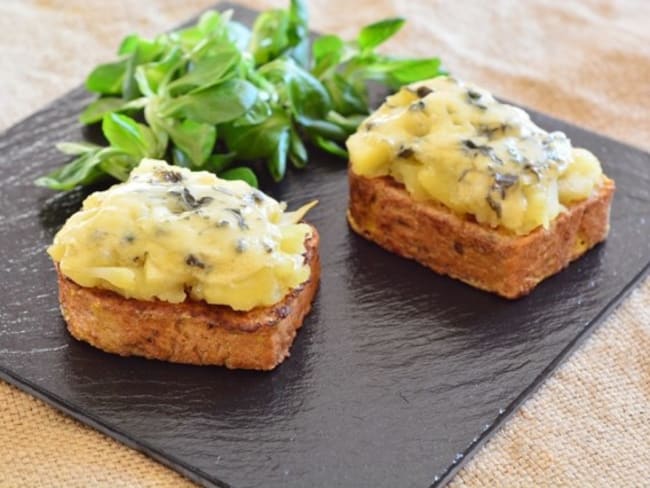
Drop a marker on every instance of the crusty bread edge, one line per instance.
(382, 210)
(190, 332)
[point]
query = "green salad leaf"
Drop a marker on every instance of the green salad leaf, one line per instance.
(126, 134)
(106, 79)
(241, 173)
(213, 105)
(221, 97)
(195, 139)
(375, 34)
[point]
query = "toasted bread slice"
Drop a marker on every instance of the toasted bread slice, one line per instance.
(190, 332)
(495, 260)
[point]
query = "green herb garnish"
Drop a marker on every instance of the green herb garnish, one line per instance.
(217, 93)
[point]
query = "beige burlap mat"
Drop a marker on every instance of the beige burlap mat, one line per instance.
(588, 62)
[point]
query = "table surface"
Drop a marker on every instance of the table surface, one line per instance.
(583, 61)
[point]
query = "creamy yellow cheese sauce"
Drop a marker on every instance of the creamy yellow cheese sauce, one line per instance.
(452, 142)
(169, 234)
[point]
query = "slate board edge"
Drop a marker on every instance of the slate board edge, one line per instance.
(96, 423)
(204, 479)
(545, 374)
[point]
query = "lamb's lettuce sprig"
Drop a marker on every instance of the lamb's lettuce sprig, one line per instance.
(218, 96)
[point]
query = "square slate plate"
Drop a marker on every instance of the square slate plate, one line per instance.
(397, 376)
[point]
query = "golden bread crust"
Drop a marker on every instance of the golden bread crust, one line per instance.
(495, 260)
(191, 332)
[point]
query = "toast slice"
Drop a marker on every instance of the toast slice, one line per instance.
(191, 332)
(495, 260)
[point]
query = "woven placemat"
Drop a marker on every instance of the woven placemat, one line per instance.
(588, 62)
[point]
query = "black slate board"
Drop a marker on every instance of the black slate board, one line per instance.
(397, 376)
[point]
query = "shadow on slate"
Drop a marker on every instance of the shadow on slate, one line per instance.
(396, 377)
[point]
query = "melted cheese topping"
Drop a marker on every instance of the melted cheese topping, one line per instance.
(169, 233)
(453, 143)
